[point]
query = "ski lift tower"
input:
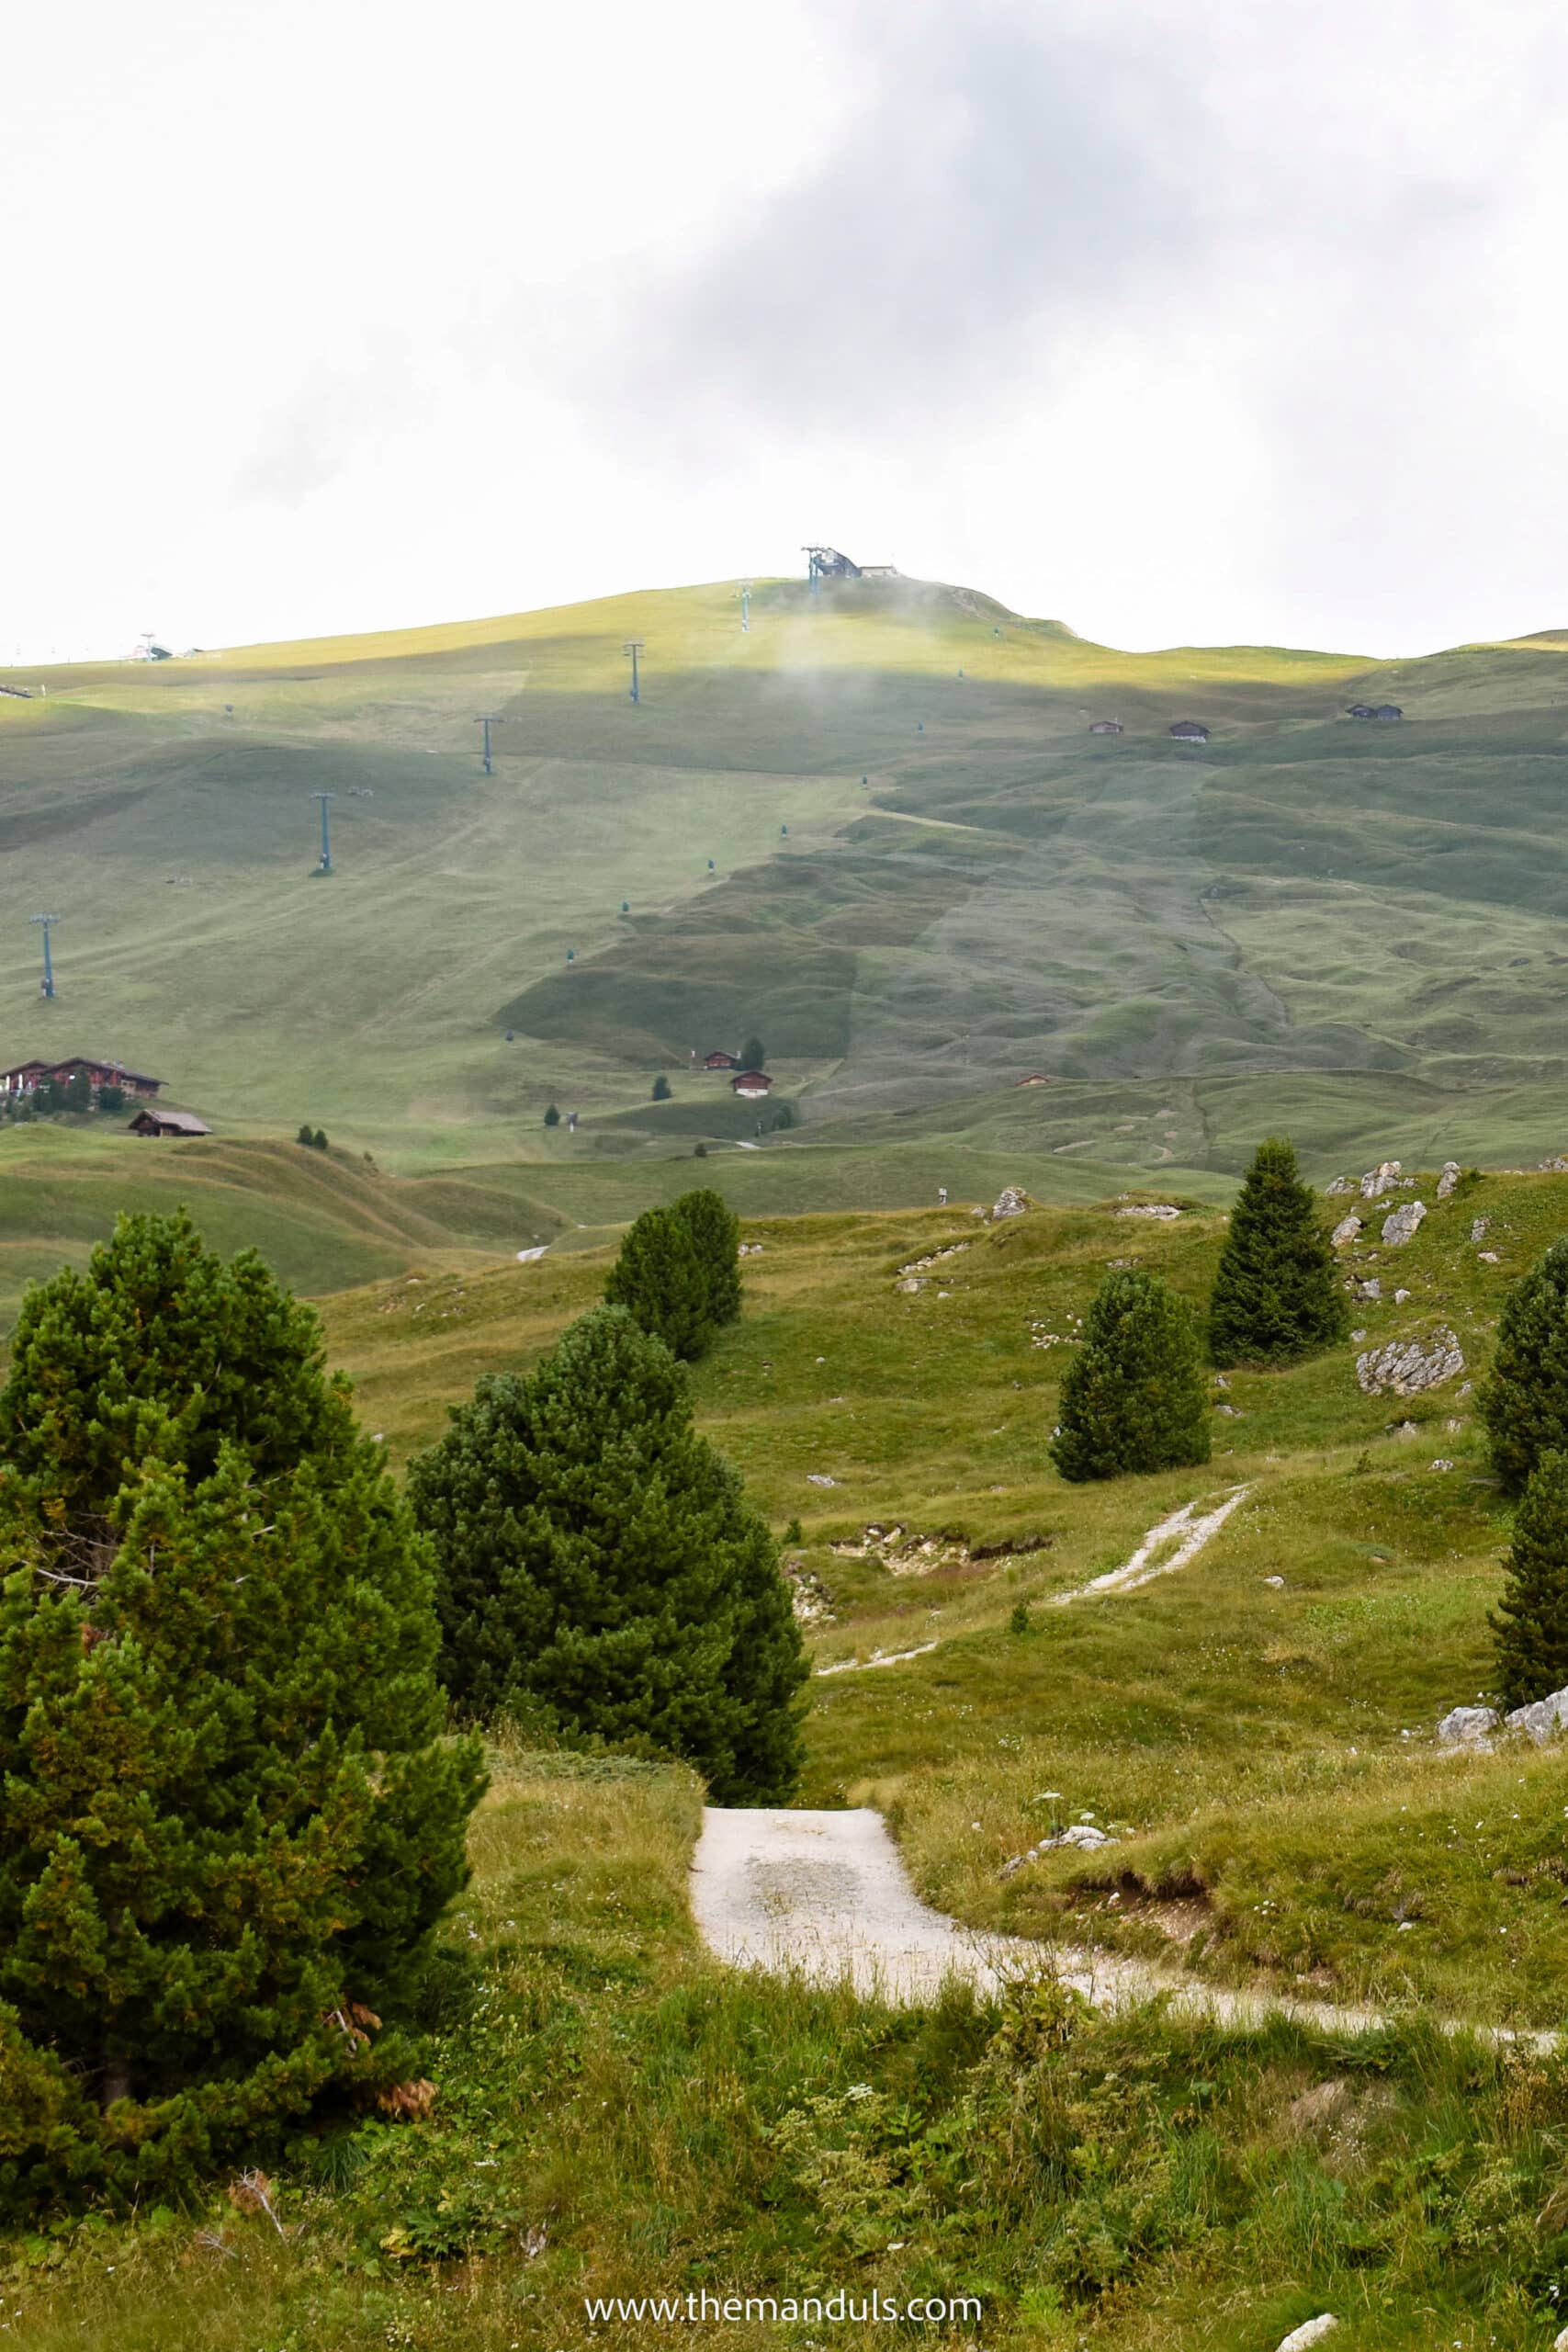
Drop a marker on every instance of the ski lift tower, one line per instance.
(326, 864)
(828, 563)
(48, 962)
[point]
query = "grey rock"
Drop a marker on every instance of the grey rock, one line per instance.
(1406, 1367)
(1554, 1167)
(1487, 1258)
(1378, 1178)
(1369, 1286)
(1340, 1184)
(1154, 1208)
(1542, 1719)
(1312, 2331)
(1442, 1463)
(819, 1478)
(1468, 1727)
(1358, 1336)
(1400, 1297)
(1346, 1232)
(1010, 1203)
(1448, 1179)
(1478, 1229)
(1403, 1225)
(1229, 1411)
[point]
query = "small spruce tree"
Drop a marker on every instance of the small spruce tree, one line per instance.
(229, 1825)
(599, 1568)
(1530, 1627)
(1524, 1402)
(307, 1135)
(1132, 1397)
(1276, 1294)
(552, 1116)
(660, 1278)
(661, 1088)
(715, 1232)
(753, 1053)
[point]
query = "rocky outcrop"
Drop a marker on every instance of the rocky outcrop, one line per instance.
(1403, 1225)
(1154, 1208)
(1346, 1232)
(1448, 1179)
(1407, 1367)
(1312, 2331)
(1379, 1179)
(1011, 1203)
(1340, 1184)
(1083, 1835)
(1541, 1720)
(1468, 1727)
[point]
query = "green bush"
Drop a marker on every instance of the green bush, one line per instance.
(1530, 1625)
(661, 1088)
(1524, 1402)
(111, 1098)
(552, 1116)
(753, 1053)
(660, 1280)
(1276, 1294)
(1132, 1397)
(714, 1231)
(230, 1827)
(600, 1571)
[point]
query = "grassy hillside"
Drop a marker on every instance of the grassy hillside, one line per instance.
(620, 2116)
(970, 887)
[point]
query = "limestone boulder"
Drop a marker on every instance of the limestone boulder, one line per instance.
(1451, 1173)
(1405, 1223)
(1346, 1232)
(1379, 1179)
(1010, 1203)
(1407, 1367)
(1468, 1727)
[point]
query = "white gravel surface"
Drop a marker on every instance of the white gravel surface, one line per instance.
(825, 1895)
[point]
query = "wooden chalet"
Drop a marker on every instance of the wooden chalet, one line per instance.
(168, 1122)
(1106, 727)
(26, 1076)
(1189, 730)
(720, 1061)
(751, 1084)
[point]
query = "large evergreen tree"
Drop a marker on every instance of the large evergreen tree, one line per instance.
(1277, 1293)
(227, 1826)
(1531, 1625)
(1524, 1402)
(660, 1280)
(1132, 1397)
(599, 1568)
(714, 1230)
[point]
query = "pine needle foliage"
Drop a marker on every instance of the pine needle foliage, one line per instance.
(601, 1573)
(660, 1279)
(1132, 1398)
(715, 1233)
(228, 1824)
(1530, 1627)
(1276, 1296)
(1524, 1402)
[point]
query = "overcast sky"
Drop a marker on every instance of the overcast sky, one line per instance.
(1177, 320)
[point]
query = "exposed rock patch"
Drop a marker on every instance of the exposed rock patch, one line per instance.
(1154, 1208)
(1407, 1367)
(1405, 1223)
(1379, 1179)
(1346, 1232)
(1449, 1177)
(1013, 1202)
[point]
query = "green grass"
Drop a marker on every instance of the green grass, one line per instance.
(1328, 919)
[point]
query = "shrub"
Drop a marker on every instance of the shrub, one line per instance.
(661, 1088)
(229, 1827)
(1132, 1398)
(552, 1116)
(701, 1152)
(660, 1280)
(753, 1053)
(111, 1098)
(1277, 1293)
(1530, 1627)
(1524, 1402)
(600, 1571)
(714, 1234)
(313, 1139)
(319, 1140)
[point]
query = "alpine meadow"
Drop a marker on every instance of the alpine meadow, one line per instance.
(783, 1488)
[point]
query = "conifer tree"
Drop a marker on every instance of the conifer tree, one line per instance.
(715, 1233)
(1277, 1293)
(1530, 1627)
(227, 1826)
(1524, 1402)
(600, 1570)
(660, 1279)
(1132, 1397)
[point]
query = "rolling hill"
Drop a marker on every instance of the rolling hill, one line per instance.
(876, 828)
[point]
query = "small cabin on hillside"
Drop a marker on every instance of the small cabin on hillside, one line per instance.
(26, 1076)
(1188, 730)
(1106, 727)
(1359, 710)
(1035, 1077)
(751, 1084)
(720, 1061)
(168, 1122)
(1387, 710)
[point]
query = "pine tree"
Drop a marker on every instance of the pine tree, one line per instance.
(552, 1116)
(753, 1055)
(715, 1233)
(1132, 1397)
(661, 1088)
(1530, 1625)
(600, 1570)
(1524, 1402)
(1277, 1293)
(659, 1277)
(229, 1825)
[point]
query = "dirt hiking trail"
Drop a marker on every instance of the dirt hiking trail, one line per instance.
(825, 1896)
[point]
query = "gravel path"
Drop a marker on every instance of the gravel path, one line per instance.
(825, 1895)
